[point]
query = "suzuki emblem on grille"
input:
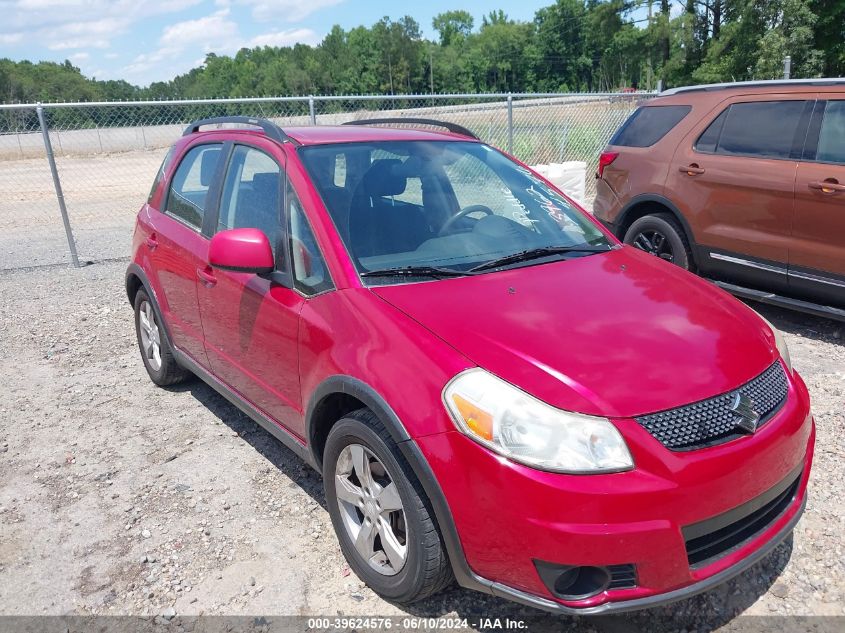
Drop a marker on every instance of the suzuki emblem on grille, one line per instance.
(746, 416)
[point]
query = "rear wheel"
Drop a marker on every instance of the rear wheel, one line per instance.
(661, 235)
(152, 341)
(386, 530)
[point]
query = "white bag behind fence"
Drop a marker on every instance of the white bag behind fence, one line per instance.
(569, 177)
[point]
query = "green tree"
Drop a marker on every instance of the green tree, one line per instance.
(451, 25)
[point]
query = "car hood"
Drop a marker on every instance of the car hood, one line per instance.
(617, 334)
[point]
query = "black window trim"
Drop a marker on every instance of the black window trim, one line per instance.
(212, 196)
(796, 148)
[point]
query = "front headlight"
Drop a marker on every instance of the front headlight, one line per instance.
(780, 342)
(514, 424)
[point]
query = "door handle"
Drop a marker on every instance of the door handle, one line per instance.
(151, 242)
(205, 276)
(691, 170)
(831, 185)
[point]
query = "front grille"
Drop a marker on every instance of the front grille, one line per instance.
(622, 576)
(714, 538)
(712, 421)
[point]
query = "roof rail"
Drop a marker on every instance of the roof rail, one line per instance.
(451, 127)
(272, 130)
(831, 81)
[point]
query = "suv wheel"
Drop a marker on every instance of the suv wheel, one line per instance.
(380, 514)
(152, 341)
(661, 235)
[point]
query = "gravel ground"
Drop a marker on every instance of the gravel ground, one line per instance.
(120, 498)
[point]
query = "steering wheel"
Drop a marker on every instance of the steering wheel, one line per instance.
(473, 208)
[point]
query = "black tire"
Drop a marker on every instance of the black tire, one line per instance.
(675, 248)
(426, 569)
(170, 372)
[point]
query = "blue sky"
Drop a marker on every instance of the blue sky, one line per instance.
(151, 40)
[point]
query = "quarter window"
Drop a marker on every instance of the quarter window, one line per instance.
(763, 128)
(251, 194)
(188, 196)
(831, 147)
(649, 124)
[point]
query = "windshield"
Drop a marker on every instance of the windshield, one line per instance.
(432, 208)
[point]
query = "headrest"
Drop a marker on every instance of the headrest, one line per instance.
(208, 166)
(385, 178)
(266, 184)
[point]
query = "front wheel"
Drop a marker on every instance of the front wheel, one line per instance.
(380, 514)
(661, 235)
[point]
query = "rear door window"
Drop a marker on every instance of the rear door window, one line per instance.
(187, 199)
(649, 124)
(769, 129)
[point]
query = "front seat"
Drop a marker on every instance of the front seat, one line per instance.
(378, 225)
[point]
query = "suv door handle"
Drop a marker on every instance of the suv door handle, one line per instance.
(831, 185)
(205, 276)
(151, 242)
(691, 170)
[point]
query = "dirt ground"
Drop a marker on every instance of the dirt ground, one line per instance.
(117, 497)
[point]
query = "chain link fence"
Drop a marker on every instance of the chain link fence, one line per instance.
(107, 154)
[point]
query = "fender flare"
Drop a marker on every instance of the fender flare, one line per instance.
(416, 460)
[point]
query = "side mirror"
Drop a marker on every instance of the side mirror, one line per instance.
(241, 250)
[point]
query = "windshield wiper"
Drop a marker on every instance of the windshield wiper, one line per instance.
(415, 271)
(536, 253)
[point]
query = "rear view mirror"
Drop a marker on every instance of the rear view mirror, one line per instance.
(241, 250)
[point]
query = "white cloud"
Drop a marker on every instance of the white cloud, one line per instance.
(81, 56)
(284, 38)
(283, 10)
(82, 42)
(214, 33)
(9, 39)
(216, 27)
(67, 24)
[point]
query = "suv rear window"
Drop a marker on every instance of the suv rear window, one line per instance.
(762, 128)
(649, 124)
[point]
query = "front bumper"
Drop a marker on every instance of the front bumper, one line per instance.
(623, 606)
(507, 516)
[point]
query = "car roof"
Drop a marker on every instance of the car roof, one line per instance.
(326, 134)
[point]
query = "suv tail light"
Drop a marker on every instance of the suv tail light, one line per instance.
(606, 159)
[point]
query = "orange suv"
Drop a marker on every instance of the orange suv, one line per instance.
(743, 183)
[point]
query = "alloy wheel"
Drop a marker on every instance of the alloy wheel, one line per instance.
(655, 243)
(150, 335)
(371, 509)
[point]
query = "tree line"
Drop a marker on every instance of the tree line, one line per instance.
(570, 45)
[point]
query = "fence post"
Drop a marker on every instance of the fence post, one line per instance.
(787, 67)
(48, 146)
(311, 110)
(510, 123)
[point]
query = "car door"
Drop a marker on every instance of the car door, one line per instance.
(817, 260)
(250, 321)
(735, 174)
(178, 244)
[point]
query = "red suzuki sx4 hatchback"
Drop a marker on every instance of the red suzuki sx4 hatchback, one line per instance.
(494, 388)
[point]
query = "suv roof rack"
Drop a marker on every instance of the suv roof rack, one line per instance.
(451, 127)
(832, 81)
(272, 130)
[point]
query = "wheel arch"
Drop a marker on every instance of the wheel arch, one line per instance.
(335, 397)
(338, 395)
(648, 204)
